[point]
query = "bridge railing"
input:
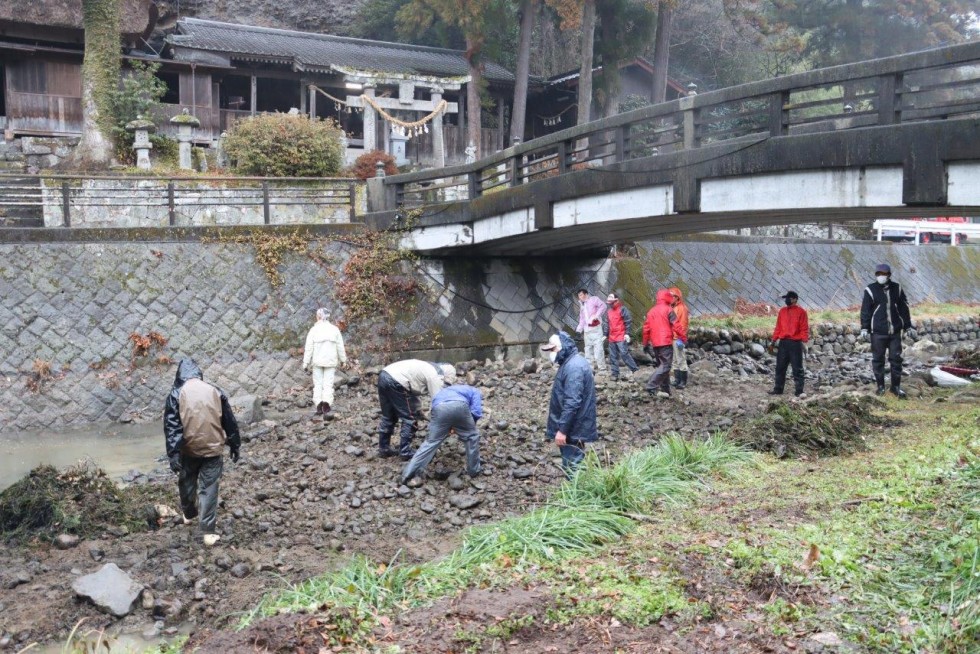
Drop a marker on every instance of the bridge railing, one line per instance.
(931, 85)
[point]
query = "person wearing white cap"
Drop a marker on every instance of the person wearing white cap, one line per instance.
(572, 410)
(616, 327)
(399, 387)
(324, 350)
(884, 316)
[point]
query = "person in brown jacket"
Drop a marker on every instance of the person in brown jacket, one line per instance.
(197, 424)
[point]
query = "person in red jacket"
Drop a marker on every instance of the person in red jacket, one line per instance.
(679, 366)
(791, 333)
(660, 331)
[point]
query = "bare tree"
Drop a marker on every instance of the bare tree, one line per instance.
(585, 74)
(661, 50)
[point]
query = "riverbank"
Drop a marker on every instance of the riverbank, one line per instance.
(308, 495)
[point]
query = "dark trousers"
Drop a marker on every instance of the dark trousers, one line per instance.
(397, 403)
(789, 353)
(572, 454)
(892, 343)
(197, 485)
(619, 350)
(663, 355)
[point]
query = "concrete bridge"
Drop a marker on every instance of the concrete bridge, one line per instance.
(891, 137)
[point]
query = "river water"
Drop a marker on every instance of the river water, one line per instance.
(116, 448)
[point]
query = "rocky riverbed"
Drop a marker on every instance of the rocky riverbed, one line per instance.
(309, 493)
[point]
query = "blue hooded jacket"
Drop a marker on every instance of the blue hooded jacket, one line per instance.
(572, 409)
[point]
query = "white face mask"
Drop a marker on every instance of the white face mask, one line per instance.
(553, 355)
(882, 279)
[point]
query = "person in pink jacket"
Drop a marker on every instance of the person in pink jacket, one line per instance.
(590, 313)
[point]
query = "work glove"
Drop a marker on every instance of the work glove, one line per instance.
(679, 343)
(626, 339)
(175, 464)
(912, 333)
(648, 350)
(234, 455)
(864, 335)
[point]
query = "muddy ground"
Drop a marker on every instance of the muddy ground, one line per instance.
(308, 493)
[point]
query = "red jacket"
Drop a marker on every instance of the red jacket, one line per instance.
(617, 326)
(660, 327)
(792, 323)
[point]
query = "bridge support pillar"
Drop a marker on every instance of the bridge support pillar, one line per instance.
(924, 173)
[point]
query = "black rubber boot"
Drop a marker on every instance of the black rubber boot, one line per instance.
(898, 392)
(683, 382)
(677, 379)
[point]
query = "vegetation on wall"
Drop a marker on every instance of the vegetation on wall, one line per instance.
(284, 145)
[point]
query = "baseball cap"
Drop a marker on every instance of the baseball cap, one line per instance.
(790, 295)
(883, 268)
(553, 344)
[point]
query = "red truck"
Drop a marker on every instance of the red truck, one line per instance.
(937, 234)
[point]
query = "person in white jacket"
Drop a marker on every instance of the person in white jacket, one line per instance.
(324, 351)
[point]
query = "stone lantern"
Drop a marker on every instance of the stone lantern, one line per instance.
(185, 131)
(142, 129)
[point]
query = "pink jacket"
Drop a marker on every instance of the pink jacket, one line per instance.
(591, 310)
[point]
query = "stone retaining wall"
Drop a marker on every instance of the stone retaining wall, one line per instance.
(144, 203)
(70, 310)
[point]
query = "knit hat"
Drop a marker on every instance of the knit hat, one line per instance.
(322, 313)
(883, 268)
(448, 373)
(612, 297)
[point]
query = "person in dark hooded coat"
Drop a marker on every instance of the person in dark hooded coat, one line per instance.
(572, 413)
(197, 424)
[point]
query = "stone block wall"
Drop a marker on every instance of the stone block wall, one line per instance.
(69, 310)
(121, 202)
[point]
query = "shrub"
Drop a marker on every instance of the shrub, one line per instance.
(138, 94)
(283, 145)
(365, 166)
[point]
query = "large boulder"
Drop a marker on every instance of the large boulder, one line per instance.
(110, 589)
(247, 408)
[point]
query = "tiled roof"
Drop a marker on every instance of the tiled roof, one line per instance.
(310, 51)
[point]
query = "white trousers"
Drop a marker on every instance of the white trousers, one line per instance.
(595, 353)
(323, 385)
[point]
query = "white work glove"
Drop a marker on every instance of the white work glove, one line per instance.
(626, 339)
(864, 335)
(914, 335)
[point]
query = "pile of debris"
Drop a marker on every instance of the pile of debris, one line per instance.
(820, 428)
(82, 501)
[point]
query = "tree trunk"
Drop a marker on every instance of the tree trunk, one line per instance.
(474, 116)
(519, 113)
(661, 51)
(100, 76)
(585, 74)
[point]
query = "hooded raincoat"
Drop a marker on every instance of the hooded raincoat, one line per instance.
(572, 410)
(197, 418)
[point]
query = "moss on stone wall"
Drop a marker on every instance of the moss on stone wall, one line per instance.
(101, 66)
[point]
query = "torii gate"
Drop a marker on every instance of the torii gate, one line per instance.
(405, 101)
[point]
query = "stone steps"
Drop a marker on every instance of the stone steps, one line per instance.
(20, 197)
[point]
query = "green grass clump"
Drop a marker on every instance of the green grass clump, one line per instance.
(671, 471)
(546, 534)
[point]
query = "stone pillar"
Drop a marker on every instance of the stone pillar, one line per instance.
(370, 123)
(438, 138)
(185, 132)
(141, 140)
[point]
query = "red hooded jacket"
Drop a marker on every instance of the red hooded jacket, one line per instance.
(682, 312)
(660, 328)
